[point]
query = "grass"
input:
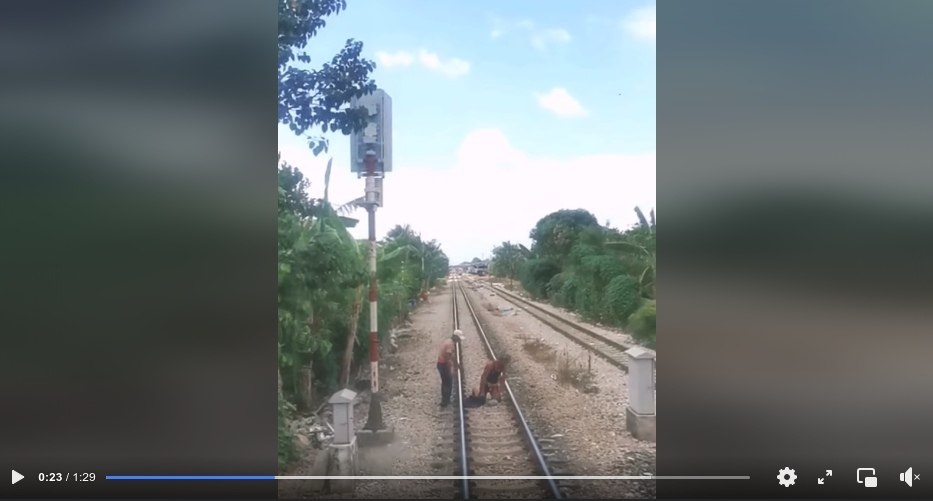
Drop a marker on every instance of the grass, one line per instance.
(570, 371)
(539, 350)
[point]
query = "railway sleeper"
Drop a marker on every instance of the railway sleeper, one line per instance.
(484, 461)
(497, 439)
(506, 485)
(504, 425)
(499, 453)
(494, 437)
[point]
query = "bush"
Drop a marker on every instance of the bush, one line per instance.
(554, 287)
(643, 323)
(587, 302)
(621, 298)
(600, 270)
(535, 275)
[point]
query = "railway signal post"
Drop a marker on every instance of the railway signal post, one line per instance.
(371, 157)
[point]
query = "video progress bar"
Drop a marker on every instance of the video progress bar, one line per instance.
(426, 477)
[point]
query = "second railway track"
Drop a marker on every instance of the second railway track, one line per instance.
(493, 440)
(611, 350)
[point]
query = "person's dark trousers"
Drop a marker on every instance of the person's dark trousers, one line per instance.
(446, 383)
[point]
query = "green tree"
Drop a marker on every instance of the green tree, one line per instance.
(319, 262)
(294, 192)
(556, 233)
(507, 260)
(431, 260)
(637, 250)
(310, 98)
(535, 275)
(644, 322)
(603, 273)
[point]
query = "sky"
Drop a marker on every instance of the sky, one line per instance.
(503, 112)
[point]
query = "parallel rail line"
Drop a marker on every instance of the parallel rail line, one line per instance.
(611, 350)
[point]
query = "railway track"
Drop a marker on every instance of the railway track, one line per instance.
(493, 440)
(611, 350)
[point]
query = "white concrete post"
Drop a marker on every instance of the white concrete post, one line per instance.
(641, 410)
(641, 380)
(342, 407)
(343, 459)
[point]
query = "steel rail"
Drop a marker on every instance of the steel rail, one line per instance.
(617, 359)
(539, 458)
(464, 465)
(612, 342)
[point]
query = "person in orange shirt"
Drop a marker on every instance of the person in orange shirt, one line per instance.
(447, 364)
(491, 381)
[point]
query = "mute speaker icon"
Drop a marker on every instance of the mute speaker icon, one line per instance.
(908, 477)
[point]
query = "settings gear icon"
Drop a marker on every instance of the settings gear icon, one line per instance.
(787, 476)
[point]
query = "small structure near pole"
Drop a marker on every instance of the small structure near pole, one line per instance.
(640, 414)
(344, 459)
(342, 409)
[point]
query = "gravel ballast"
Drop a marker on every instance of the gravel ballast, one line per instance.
(584, 422)
(587, 428)
(411, 392)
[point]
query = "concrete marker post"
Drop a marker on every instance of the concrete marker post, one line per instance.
(344, 447)
(641, 411)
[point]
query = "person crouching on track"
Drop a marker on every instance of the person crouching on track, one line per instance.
(447, 364)
(492, 380)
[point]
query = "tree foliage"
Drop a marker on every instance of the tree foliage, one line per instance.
(643, 323)
(602, 273)
(429, 260)
(322, 273)
(555, 234)
(310, 98)
(507, 260)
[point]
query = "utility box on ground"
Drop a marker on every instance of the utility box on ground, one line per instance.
(342, 406)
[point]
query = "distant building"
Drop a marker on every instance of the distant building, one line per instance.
(481, 268)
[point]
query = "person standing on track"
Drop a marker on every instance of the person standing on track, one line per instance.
(447, 364)
(491, 381)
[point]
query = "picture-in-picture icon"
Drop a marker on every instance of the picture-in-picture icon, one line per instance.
(870, 480)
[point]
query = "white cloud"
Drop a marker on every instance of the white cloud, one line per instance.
(451, 67)
(526, 24)
(640, 23)
(561, 103)
(542, 39)
(489, 192)
(392, 59)
(539, 38)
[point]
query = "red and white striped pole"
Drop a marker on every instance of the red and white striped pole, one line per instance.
(375, 406)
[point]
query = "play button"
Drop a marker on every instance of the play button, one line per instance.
(16, 477)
